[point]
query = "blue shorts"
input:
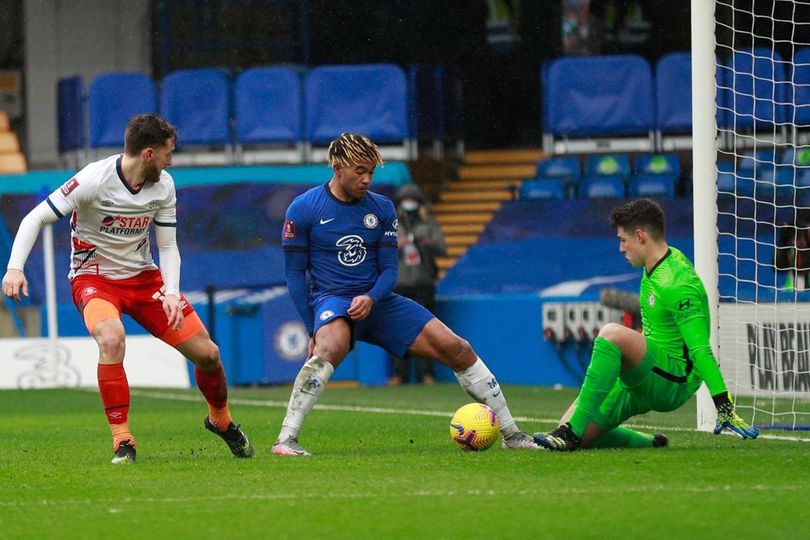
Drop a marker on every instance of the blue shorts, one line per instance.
(393, 323)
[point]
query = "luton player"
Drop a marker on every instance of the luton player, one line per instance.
(660, 369)
(113, 203)
(345, 238)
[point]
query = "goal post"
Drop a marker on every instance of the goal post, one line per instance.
(750, 94)
(704, 174)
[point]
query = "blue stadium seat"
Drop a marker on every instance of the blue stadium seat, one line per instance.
(762, 158)
(368, 99)
(800, 77)
(658, 164)
(114, 98)
(608, 165)
(733, 181)
(542, 188)
(800, 157)
(559, 167)
(197, 101)
(268, 106)
(760, 90)
(673, 93)
(598, 96)
(594, 187)
(652, 185)
(70, 114)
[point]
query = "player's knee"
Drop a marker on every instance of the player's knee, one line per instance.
(210, 358)
(612, 332)
(111, 344)
(457, 353)
(332, 351)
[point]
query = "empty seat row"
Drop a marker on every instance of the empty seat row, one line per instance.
(618, 96)
(610, 164)
(267, 105)
(652, 185)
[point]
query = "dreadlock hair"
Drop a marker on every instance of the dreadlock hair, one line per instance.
(640, 214)
(350, 149)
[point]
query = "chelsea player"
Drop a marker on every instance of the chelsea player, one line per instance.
(345, 237)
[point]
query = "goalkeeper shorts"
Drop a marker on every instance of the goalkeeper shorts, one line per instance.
(649, 386)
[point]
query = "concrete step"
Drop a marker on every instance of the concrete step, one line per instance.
(488, 157)
(477, 196)
(495, 172)
(463, 228)
(465, 207)
(481, 185)
(457, 251)
(467, 218)
(460, 239)
(445, 263)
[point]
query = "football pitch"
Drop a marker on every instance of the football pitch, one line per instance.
(383, 467)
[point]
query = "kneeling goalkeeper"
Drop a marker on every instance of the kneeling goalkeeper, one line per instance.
(660, 370)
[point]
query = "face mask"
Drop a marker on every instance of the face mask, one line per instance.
(409, 205)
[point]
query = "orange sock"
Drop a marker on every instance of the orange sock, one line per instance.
(214, 387)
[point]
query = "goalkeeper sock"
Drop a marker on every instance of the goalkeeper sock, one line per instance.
(214, 387)
(114, 390)
(308, 386)
(478, 381)
(622, 437)
(606, 364)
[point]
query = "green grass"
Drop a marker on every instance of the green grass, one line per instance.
(377, 474)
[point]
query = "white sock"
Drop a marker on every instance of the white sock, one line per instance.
(478, 381)
(308, 386)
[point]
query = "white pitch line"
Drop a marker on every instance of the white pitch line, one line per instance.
(415, 412)
(115, 506)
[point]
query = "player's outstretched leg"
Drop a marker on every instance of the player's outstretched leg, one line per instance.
(437, 341)
(308, 386)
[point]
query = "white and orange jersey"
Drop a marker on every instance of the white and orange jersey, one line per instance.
(111, 219)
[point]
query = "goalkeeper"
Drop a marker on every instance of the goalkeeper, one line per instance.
(632, 373)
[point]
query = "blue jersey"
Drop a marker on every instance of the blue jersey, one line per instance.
(342, 239)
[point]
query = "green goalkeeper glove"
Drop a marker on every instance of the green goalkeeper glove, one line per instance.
(729, 420)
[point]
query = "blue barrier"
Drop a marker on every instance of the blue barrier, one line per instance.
(394, 172)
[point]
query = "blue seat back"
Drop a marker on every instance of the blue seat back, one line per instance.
(652, 185)
(753, 90)
(69, 111)
(197, 101)
(597, 187)
(658, 164)
(367, 99)
(608, 165)
(800, 76)
(267, 106)
(114, 98)
(755, 159)
(559, 167)
(541, 188)
(599, 95)
(673, 93)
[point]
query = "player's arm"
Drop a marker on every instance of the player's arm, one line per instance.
(61, 202)
(690, 314)
(166, 239)
(295, 240)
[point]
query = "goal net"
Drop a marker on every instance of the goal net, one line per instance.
(761, 56)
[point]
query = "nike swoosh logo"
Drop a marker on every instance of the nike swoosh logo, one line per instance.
(325, 221)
